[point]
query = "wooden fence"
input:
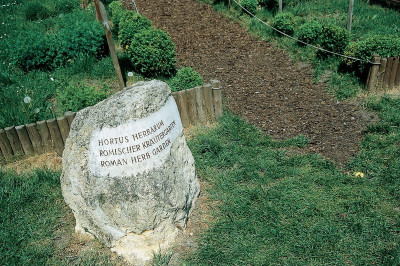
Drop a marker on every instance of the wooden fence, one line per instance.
(384, 74)
(196, 106)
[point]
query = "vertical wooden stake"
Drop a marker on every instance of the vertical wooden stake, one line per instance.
(25, 141)
(388, 72)
(102, 17)
(381, 72)
(350, 15)
(70, 117)
(373, 72)
(45, 136)
(64, 127)
(280, 6)
(217, 95)
(200, 105)
(35, 138)
(395, 66)
(5, 145)
(14, 140)
(191, 102)
(56, 136)
(397, 79)
(209, 103)
(183, 109)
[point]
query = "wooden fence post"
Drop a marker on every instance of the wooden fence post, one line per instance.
(2, 159)
(35, 138)
(217, 95)
(14, 140)
(397, 79)
(5, 145)
(183, 110)
(382, 69)
(388, 72)
(191, 102)
(45, 136)
(102, 17)
(392, 78)
(70, 117)
(201, 112)
(208, 100)
(24, 138)
(64, 127)
(280, 6)
(55, 136)
(373, 72)
(350, 15)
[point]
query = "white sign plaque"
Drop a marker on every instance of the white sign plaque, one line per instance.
(136, 146)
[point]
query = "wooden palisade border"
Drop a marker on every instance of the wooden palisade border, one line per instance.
(384, 73)
(196, 106)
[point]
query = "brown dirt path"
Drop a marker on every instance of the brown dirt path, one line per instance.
(260, 82)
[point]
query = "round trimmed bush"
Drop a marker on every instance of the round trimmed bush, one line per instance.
(152, 52)
(334, 38)
(116, 12)
(186, 78)
(285, 23)
(131, 24)
(35, 11)
(309, 32)
(250, 5)
(383, 45)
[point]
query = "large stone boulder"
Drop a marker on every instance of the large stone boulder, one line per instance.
(128, 174)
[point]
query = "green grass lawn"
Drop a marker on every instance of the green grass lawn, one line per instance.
(272, 207)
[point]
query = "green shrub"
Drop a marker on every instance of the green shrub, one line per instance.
(131, 24)
(186, 78)
(152, 52)
(75, 97)
(116, 12)
(35, 11)
(31, 50)
(309, 32)
(78, 36)
(334, 38)
(285, 23)
(250, 5)
(66, 6)
(383, 45)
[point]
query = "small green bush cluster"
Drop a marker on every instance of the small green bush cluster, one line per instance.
(76, 36)
(310, 32)
(75, 97)
(250, 5)
(284, 22)
(152, 52)
(35, 11)
(130, 24)
(334, 38)
(186, 78)
(383, 45)
(116, 11)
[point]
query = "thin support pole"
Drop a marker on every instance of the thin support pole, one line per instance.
(350, 15)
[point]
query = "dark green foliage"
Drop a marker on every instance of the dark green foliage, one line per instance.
(284, 22)
(35, 11)
(309, 32)
(75, 97)
(383, 45)
(116, 12)
(131, 24)
(270, 4)
(66, 6)
(186, 78)
(250, 5)
(152, 53)
(334, 38)
(78, 35)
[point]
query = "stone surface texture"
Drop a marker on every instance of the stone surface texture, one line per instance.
(139, 212)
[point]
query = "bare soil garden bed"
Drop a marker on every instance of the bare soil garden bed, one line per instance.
(261, 83)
